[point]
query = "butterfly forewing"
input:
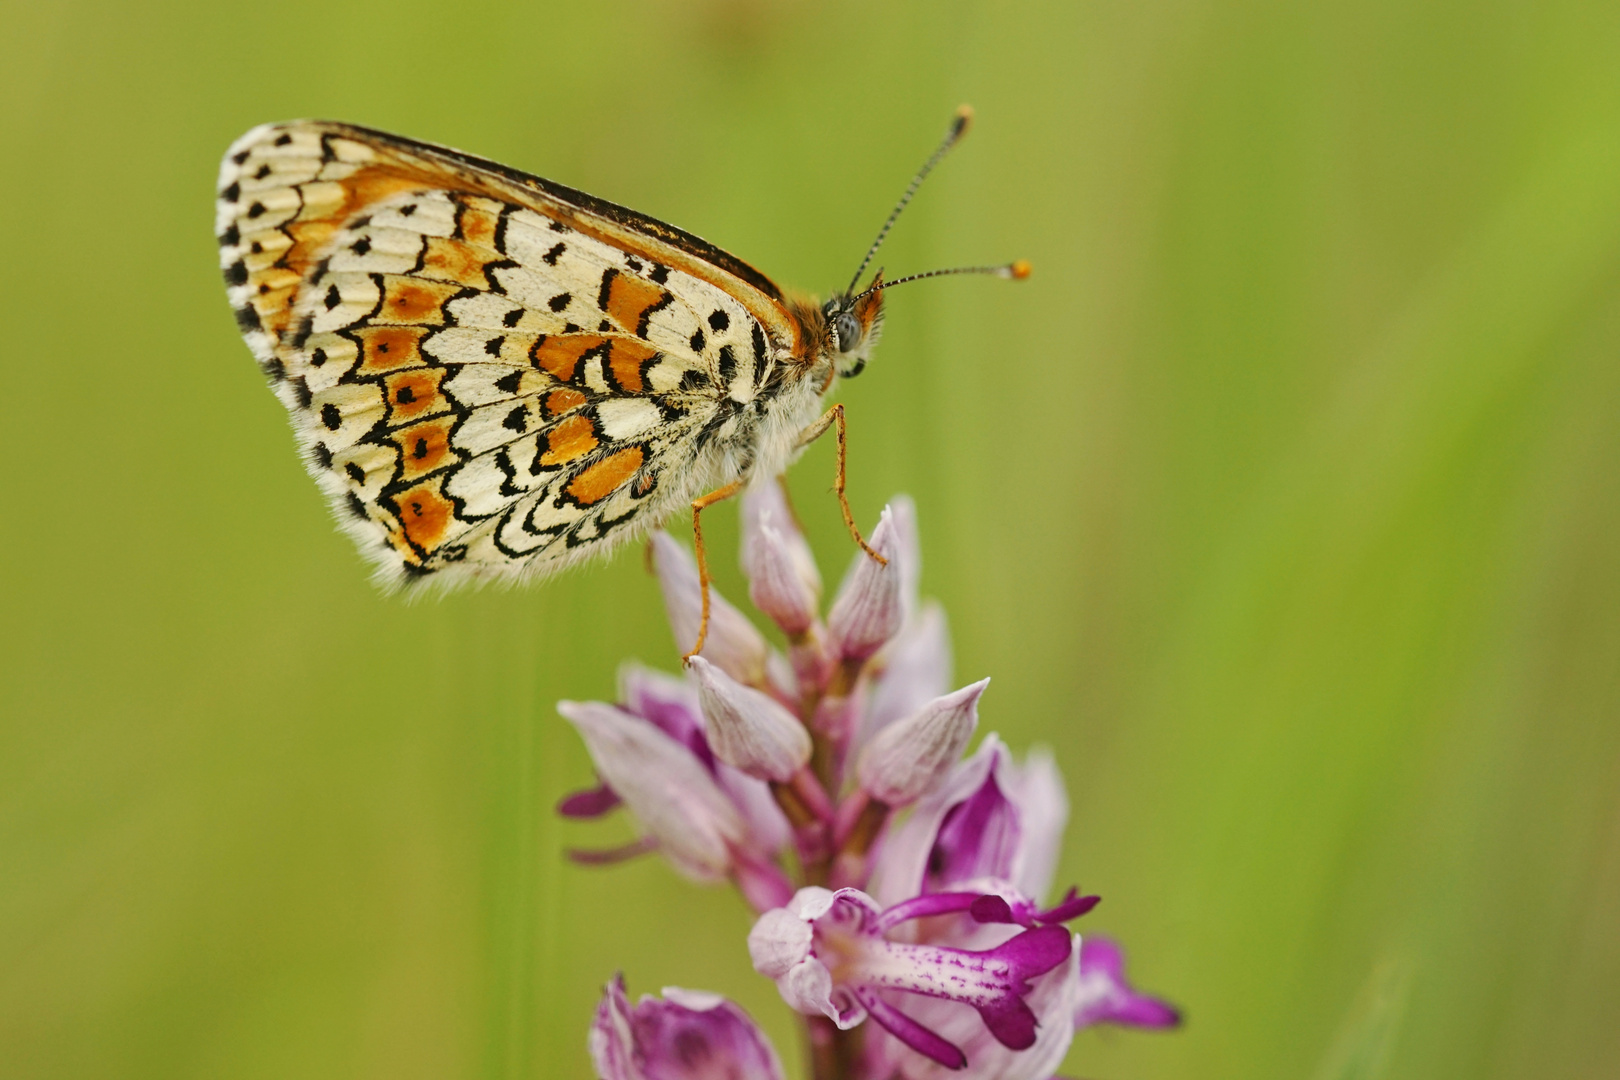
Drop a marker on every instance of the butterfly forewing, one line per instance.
(491, 375)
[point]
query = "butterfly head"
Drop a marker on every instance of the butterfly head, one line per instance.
(853, 323)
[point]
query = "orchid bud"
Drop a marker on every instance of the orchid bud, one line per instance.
(907, 544)
(870, 606)
(674, 800)
(749, 730)
(783, 581)
(732, 643)
(910, 757)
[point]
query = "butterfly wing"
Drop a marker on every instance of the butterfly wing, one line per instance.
(491, 375)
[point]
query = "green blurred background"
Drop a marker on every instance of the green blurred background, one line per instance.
(1282, 501)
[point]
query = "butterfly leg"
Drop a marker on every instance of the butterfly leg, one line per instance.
(834, 417)
(698, 506)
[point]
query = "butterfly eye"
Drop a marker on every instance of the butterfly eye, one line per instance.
(849, 332)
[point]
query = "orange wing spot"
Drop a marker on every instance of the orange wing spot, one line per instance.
(559, 354)
(568, 440)
(626, 360)
(629, 298)
(311, 235)
(386, 348)
(425, 515)
(424, 447)
(408, 300)
(275, 306)
(479, 219)
(560, 401)
(414, 394)
(451, 260)
(363, 189)
(597, 482)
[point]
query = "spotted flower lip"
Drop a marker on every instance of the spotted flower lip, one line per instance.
(685, 1035)
(831, 953)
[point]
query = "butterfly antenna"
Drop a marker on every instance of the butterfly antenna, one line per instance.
(959, 126)
(1016, 271)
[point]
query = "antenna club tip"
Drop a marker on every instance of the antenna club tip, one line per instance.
(1019, 270)
(963, 121)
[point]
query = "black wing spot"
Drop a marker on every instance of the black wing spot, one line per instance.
(274, 369)
(301, 391)
(560, 301)
(508, 384)
(570, 328)
(550, 258)
(419, 451)
(333, 297)
(248, 318)
(407, 210)
(236, 273)
(493, 345)
(517, 420)
(255, 210)
(231, 236)
(405, 395)
(557, 226)
(512, 318)
(257, 248)
(301, 335)
(283, 139)
(317, 358)
(233, 192)
(332, 418)
(604, 327)
(728, 363)
(660, 274)
(698, 341)
(323, 456)
(358, 508)
(264, 171)
(453, 552)
(633, 263)
(718, 321)
(360, 246)
(356, 473)
(241, 155)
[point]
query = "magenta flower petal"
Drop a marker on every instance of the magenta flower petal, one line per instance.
(1106, 997)
(919, 1038)
(592, 803)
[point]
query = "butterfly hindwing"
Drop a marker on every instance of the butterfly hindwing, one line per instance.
(487, 380)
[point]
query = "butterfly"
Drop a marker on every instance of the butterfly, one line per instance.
(493, 376)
